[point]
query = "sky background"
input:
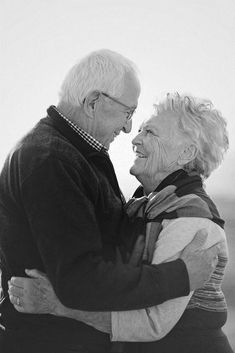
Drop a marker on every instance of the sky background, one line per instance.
(178, 45)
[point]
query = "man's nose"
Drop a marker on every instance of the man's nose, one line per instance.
(127, 127)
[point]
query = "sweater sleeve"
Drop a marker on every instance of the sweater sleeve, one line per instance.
(155, 322)
(62, 218)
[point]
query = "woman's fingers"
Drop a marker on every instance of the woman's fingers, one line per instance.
(18, 303)
(19, 308)
(15, 300)
(28, 299)
(18, 281)
(28, 285)
(33, 295)
(15, 291)
(34, 273)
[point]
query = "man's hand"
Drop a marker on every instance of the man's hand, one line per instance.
(34, 295)
(200, 262)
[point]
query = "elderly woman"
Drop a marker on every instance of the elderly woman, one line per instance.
(176, 149)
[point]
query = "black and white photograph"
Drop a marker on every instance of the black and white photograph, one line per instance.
(117, 176)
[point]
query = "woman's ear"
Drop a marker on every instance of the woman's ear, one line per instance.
(188, 155)
(90, 103)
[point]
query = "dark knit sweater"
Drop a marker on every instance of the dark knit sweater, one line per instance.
(61, 212)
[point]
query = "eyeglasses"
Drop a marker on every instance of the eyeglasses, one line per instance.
(131, 109)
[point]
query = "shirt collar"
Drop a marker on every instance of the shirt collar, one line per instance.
(83, 134)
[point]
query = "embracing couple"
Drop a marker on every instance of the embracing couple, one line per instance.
(84, 271)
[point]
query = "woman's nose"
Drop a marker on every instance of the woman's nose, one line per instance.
(137, 139)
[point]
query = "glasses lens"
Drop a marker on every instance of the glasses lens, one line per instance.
(130, 114)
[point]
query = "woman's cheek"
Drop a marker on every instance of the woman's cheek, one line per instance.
(157, 159)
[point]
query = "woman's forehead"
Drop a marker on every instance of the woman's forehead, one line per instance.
(161, 120)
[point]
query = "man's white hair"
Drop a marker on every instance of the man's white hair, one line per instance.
(102, 70)
(205, 127)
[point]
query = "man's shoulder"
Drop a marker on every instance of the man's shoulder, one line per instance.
(43, 145)
(44, 141)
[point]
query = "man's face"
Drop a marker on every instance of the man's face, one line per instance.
(157, 146)
(111, 117)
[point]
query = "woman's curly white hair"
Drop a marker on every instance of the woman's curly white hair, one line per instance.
(205, 127)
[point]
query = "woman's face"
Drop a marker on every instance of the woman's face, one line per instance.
(158, 146)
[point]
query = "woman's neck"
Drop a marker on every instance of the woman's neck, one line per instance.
(150, 184)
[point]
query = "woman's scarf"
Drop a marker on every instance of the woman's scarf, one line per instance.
(179, 195)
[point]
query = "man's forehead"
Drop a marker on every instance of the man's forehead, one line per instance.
(131, 90)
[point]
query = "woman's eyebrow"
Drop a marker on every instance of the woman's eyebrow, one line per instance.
(152, 127)
(141, 127)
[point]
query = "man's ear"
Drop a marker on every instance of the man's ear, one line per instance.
(188, 155)
(90, 103)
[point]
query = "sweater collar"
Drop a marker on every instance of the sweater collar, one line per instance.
(77, 139)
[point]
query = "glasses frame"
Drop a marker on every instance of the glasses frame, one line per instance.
(131, 109)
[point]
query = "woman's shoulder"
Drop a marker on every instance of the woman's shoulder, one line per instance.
(188, 226)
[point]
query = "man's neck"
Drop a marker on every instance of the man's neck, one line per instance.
(78, 117)
(74, 114)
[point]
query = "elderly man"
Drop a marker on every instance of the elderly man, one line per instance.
(62, 212)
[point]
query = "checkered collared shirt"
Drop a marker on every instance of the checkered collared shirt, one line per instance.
(87, 137)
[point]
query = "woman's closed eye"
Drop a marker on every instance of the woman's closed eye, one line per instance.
(148, 131)
(151, 132)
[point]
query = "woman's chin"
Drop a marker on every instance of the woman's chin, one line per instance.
(131, 170)
(134, 170)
